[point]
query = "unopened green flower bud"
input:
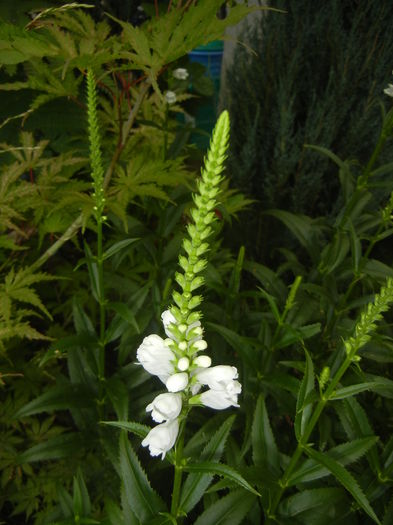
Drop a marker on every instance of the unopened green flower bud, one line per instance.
(193, 318)
(178, 299)
(196, 283)
(194, 302)
(202, 249)
(187, 246)
(200, 265)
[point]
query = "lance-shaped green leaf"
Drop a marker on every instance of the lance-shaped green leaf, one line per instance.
(117, 247)
(81, 499)
(303, 402)
(197, 482)
(92, 268)
(61, 397)
(354, 420)
(345, 478)
(309, 499)
(388, 517)
(136, 428)
(382, 385)
(229, 510)
(62, 446)
(345, 454)
(143, 500)
(264, 448)
(221, 470)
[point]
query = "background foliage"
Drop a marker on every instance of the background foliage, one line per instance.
(289, 326)
(320, 71)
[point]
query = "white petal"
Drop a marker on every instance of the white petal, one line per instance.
(161, 438)
(177, 382)
(217, 377)
(218, 399)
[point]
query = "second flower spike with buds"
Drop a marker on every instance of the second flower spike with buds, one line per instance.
(176, 360)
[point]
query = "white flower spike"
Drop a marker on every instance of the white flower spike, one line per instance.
(175, 360)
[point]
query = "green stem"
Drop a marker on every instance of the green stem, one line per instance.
(307, 433)
(178, 473)
(100, 265)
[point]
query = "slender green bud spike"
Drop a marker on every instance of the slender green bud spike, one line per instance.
(366, 324)
(202, 213)
(97, 171)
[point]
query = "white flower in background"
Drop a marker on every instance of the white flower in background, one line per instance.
(164, 407)
(389, 90)
(170, 97)
(155, 357)
(161, 438)
(180, 73)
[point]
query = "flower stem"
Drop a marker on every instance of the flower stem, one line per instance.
(363, 329)
(178, 472)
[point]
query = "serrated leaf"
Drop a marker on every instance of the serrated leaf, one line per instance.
(229, 510)
(355, 423)
(144, 501)
(264, 448)
(345, 454)
(309, 499)
(136, 428)
(304, 409)
(353, 390)
(345, 478)
(196, 483)
(221, 470)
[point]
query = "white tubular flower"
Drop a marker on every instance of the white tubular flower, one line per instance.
(155, 357)
(164, 407)
(389, 90)
(161, 438)
(170, 97)
(217, 377)
(177, 382)
(180, 73)
(221, 399)
(167, 319)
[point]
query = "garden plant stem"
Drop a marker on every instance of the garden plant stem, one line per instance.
(307, 432)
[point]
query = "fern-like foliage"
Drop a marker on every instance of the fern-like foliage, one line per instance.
(17, 288)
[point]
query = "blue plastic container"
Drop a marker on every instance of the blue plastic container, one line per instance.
(209, 56)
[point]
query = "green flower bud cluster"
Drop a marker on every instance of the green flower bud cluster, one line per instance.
(195, 244)
(366, 324)
(95, 150)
